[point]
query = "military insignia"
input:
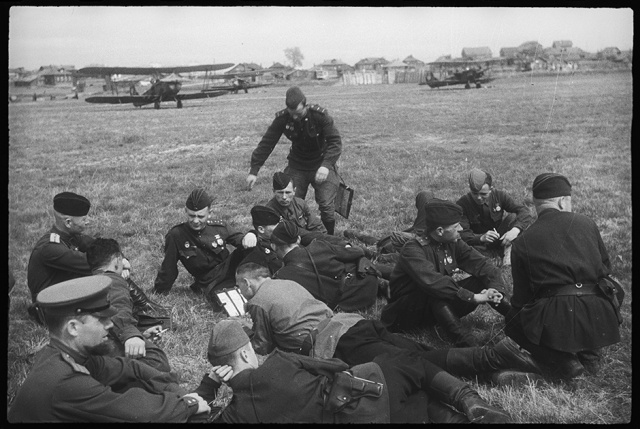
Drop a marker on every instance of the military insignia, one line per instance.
(219, 241)
(497, 209)
(449, 260)
(267, 251)
(186, 244)
(54, 238)
(214, 244)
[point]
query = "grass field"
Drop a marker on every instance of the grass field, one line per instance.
(137, 167)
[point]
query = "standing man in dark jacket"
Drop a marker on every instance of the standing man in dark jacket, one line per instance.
(316, 146)
(72, 380)
(329, 272)
(423, 289)
(491, 219)
(200, 244)
(560, 313)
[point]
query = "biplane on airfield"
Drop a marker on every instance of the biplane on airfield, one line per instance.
(236, 81)
(460, 72)
(162, 89)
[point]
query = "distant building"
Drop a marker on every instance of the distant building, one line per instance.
(332, 68)
(509, 53)
(413, 63)
(52, 75)
(371, 63)
(562, 44)
(476, 53)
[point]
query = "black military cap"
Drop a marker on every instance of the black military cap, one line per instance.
(198, 200)
(84, 295)
(262, 215)
(227, 336)
(286, 232)
(280, 180)
(294, 97)
(442, 213)
(71, 204)
(551, 185)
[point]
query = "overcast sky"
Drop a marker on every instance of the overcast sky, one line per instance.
(168, 36)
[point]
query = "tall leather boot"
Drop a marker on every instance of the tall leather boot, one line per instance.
(140, 299)
(446, 318)
(330, 225)
(463, 398)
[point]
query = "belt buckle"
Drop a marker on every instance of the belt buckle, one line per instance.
(578, 285)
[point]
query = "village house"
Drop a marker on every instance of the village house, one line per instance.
(481, 53)
(413, 63)
(371, 63)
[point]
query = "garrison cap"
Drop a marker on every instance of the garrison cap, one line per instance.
(442, 213)
(263, 215)
(478, 178)
(227, 336)
(285, 233)
(71, 204)
(280, 180)
(551, 185)
(84, 295)
(294, 97)
(198, 200)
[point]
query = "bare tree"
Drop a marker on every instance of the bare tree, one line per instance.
(294, 56)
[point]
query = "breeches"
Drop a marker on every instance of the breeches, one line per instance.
(325, 192)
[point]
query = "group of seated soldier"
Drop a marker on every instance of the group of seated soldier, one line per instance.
(302, 289)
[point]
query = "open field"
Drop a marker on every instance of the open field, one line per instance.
(137, 167)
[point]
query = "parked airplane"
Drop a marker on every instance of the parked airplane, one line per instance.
(460, 72)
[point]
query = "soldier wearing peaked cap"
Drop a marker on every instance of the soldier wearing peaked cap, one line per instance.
(491, 219)
(59, 255)
(316, 146)
(73, 381)
(200, 244)
(565, 305)
(423, 288)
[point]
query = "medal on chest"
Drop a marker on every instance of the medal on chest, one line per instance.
(217, 241)
(186, 245)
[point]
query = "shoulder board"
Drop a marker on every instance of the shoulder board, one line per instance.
(54, 238)
(215, 222)
(282, 112)
(317, 108)
(423, 241)
(76, 367)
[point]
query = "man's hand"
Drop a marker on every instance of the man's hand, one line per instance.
(489, 236)
(251, 180)
(249, 240)
(134, 348)
(126, 268)
(487, 295)
(321, 174)
(153, 332)
(203, 407)
(509, 236)
(221, 373)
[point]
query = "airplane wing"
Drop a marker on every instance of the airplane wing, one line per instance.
(124, 99)
(103, 71)
(196, 95)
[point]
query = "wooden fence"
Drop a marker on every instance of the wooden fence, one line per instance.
(378, 77)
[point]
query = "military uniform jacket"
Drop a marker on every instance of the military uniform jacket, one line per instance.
(337, 283)
(289, 388)
(63, 386)
(200, 252)
(428, 265)
(58, 256)
(478, 219)
(124, 322)
(315, 141)
(299, 213)
(562, 248)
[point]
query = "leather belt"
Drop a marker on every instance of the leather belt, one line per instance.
(575, 289)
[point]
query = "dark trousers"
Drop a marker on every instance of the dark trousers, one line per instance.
(325, 192)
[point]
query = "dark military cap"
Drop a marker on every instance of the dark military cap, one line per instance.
(84, 295)
(262, 215)
(478, 178)
(551, 185)
(285, 233)
(280, 180)
(71, 204)
(294, 97)
(198, 200)
(442, 213)
(227, 336)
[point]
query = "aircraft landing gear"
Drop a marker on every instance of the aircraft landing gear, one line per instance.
(467, 86)
(478, 85)
(179, 104)
(156, 104)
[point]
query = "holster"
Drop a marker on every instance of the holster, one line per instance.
(613, 291)
(346, 388)
(364, 267)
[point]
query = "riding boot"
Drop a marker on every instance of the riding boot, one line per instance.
(463, 398)
(446, 318)
(140, 299)
(330, 225)
(366, 239)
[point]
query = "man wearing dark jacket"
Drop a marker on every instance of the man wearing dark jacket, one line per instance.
(316, 146)
(564, 307)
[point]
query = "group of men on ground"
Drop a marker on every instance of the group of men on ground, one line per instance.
(299, 280)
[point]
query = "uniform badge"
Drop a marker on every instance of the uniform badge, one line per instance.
(54, 238)
(449, 260)
(186, 244)
(497, 209)
(219, 239)
(214, 244)
(267, 251)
